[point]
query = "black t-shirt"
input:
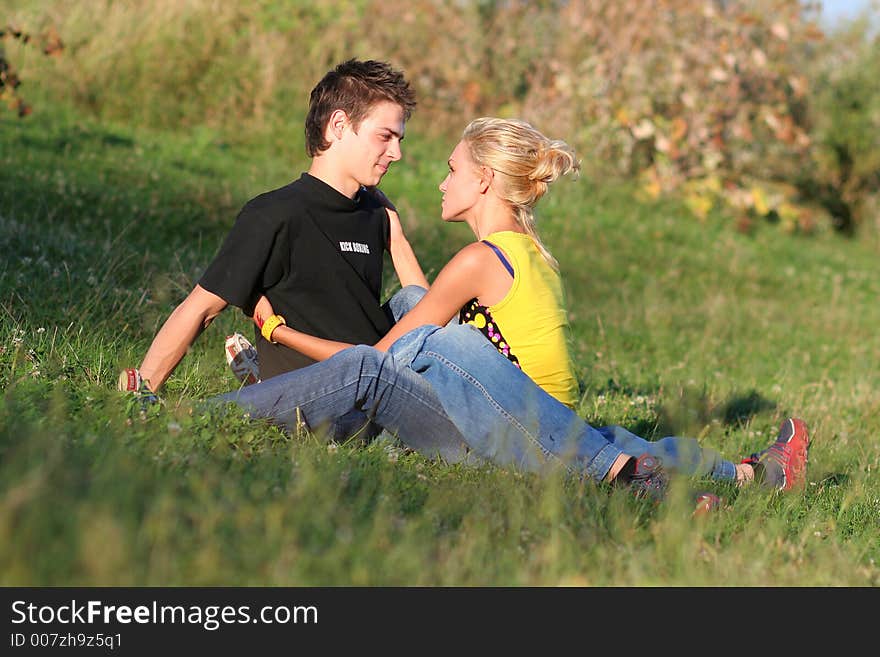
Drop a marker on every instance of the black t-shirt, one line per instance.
(317, 255)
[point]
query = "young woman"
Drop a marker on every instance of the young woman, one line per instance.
(499, 385)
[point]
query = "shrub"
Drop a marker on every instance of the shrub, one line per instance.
(845, 112)
(9, 80)
(706, 98)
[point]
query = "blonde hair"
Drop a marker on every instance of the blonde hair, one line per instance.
(525, 163)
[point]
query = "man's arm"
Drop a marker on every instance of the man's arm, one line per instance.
(178, 333)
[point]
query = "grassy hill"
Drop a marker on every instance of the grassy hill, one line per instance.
(678, 327)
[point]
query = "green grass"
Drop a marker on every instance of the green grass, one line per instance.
(678, 327)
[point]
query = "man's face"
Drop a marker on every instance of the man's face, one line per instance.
(370, 150)
(462, 185)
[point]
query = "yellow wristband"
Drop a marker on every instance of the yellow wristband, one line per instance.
(270, 325)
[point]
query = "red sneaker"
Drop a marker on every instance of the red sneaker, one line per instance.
(645, 477)
(783, 465)
(706, 503)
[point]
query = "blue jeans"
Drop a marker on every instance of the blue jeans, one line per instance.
(360, 391)
(506, 418)
(448, 392)
(355, 422)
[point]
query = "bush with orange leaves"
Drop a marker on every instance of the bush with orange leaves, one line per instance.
(710, 99)
(9, 79)
(705, 98)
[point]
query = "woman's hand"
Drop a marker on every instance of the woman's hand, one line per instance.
(393, 217)
(380, 196)
(262, 311)
(406, 265)
(396, 233)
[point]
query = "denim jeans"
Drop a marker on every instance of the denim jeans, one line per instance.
(355, 422)
(363, 379)
(447, 392)
(506, 418)
(358, 392)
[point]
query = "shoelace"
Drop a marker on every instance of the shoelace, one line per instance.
(782, 454)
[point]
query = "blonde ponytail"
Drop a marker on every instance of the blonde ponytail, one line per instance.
(526, 163)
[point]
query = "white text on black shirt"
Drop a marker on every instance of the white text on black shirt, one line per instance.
(355, 247)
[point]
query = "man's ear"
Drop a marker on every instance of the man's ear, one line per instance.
(336, 125)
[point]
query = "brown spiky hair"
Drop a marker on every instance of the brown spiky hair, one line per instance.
(355, 87)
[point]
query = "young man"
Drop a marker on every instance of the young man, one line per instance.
(314, 247)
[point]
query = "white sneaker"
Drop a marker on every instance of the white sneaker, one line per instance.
(241, 356)
(130, 380)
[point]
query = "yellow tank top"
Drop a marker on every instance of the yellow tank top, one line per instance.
(529, 325)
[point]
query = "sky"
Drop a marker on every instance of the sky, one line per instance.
(835, 10)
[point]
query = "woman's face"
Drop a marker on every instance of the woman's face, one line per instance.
(462, 186)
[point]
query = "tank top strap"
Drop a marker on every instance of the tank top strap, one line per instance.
(500, 255)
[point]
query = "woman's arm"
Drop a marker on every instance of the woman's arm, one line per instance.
(406, 265)
(462, 279)
(458, 282)
(317, 348)
(309, 345)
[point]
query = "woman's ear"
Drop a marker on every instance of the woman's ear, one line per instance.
(487, 175)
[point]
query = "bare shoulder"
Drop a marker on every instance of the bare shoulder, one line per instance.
(472, 257)
(465, 271)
